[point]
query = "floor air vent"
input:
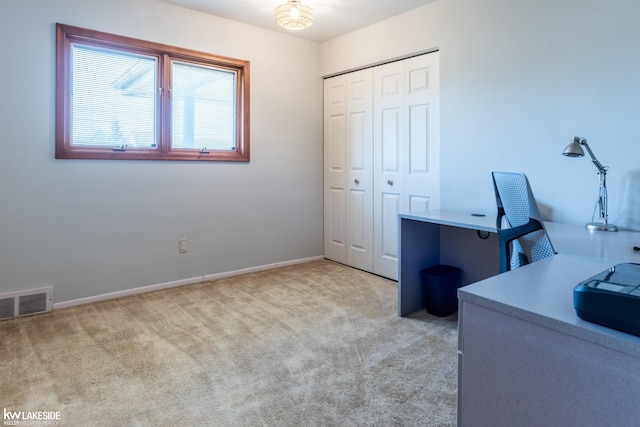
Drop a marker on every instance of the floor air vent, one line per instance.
(22, 303)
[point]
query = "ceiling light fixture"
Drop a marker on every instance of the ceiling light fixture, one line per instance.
(294, 15)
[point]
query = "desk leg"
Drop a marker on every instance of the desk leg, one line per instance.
(419, 249)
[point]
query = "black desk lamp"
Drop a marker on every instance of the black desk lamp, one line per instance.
(575, 150)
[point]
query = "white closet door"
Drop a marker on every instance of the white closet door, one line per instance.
(422, 162)
(382, 158)
(360, 175)
(335, 170)
(389, 151)
(406, 150)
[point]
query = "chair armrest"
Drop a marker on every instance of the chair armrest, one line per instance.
(507, 235)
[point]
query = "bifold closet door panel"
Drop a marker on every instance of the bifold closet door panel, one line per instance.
(335, 169)
(422, 159)
(389, 136)
(360, 169)
(348, 160)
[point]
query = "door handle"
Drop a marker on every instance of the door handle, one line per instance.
(390, 182)
(356, 181)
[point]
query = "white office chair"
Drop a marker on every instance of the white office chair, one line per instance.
(522, 236)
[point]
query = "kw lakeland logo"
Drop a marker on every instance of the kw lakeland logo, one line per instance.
(30, 418)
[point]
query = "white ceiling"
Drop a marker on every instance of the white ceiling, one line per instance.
(332, 18)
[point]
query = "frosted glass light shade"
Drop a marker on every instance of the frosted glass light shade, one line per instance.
(294, 15)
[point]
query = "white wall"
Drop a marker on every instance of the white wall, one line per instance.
(518, 80)
(96, 227)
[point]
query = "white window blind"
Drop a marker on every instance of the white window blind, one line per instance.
(113, 97)
(203, 114)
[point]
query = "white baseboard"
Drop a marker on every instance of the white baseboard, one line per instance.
(167, 285)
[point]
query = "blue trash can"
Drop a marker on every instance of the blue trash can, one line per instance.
(440, 285)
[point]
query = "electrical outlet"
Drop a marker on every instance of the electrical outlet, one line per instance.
(183, 243)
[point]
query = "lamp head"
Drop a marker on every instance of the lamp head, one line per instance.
(574, 149)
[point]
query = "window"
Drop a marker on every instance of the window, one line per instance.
(122, 98)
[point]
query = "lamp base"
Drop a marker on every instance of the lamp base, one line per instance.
(600, 226)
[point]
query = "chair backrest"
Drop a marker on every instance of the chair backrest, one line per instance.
(524, 239)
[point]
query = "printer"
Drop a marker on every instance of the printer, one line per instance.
(611, 298)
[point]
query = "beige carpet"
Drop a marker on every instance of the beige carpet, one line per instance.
(316, 344)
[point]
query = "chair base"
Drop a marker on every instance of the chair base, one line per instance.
(600, 226)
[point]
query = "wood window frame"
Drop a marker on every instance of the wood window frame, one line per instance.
(64, 149)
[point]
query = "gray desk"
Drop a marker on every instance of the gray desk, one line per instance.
(524, 356)
(448, 237)
(526, 359)
(443, 237)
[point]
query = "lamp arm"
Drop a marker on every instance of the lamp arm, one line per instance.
(601, 169)
(575, 149)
